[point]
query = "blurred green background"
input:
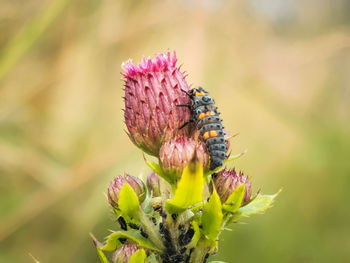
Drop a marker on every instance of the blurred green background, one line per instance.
(279, 71)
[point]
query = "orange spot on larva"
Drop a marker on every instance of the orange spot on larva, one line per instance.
(200, 94)
(206, 135)
(202, 115)
(208, 113)
(213, 134)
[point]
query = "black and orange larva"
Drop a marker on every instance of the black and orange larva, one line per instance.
(206, 117)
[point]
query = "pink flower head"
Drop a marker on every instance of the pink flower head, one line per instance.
(153, 88)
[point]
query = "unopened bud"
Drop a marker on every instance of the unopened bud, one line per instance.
(152, 90)
(177, 153)
(124, 253)
(153, 184)
(226, 181)
(117, 184)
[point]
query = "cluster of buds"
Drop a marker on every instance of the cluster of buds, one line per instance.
(170, 217)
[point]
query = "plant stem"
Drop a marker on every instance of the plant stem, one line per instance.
(151, 230)
(200, 251)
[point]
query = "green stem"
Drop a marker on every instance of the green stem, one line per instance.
(151, 230)
(174, 231)
(200, 251)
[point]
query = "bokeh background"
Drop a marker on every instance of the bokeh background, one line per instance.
(279, 71)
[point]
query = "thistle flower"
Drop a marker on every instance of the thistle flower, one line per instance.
(176, 154)
(180, 221)
(152, 91)
(123, 254)
(117, 184)
(153, 184)
(226, 181)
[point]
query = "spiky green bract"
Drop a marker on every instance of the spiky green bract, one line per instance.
(128, 201)
(102, 256)
(259, 205)
(212, 217)
(170, 178)
(113, 241)
(98, 245)
(117, 184)
(124, 253)
(138, 257)
(189, 189)
(227, 162)
(234, 201)
(228, 180)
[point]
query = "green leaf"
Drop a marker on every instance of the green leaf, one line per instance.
(189, 189)
(117, 212)
(138, 257)
(197, 207)
(128, 201)
(113, 240)
(102, 256)
(152, 259)
(170, 178)
(99, 246)
(234, 157)
(259, 205)
(197, 234)
(147, 208)
(234, 201)
(212, 217)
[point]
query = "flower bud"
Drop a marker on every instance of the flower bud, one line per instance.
(117, 184)
(176, 153)
(124, 253)
(153, 184)
(226, 181)
(152, 91)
